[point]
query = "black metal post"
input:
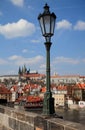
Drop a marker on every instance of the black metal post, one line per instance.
(48, 104)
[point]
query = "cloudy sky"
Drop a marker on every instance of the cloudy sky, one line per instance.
(21, 41)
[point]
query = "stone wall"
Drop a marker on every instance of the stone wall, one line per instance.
(13, 119)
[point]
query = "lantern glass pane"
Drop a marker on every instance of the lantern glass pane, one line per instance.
(47, 25)
(52, 25)
(42, 25)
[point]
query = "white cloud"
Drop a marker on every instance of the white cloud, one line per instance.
(80, 25)
(34, 63)
(64, 24)
(35, 41)
(62, 59)
(14, 57)
(24, 50)
(38, 62)
(22, 28)
(19, 60)
(18, 2)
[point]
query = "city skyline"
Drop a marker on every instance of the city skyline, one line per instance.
(21, 41)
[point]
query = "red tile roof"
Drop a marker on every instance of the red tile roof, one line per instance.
(30, 75)
(21, 98)
(34, 99)
(4, 90)
(43, 89)
(15, 88)
(79, 86)
(62, 88)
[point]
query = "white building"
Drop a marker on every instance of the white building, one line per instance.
(15, 77)
(67, 79)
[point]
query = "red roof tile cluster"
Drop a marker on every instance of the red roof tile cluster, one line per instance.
(79, 86)
(34, 99)
(15, 88)
(21, 98)
(30, 75)
(26, 87)
(43, 89)
(62, 88)
(59, 87)
(4, 90)
(30, 86)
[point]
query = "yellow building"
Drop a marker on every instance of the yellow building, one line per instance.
(59, 99)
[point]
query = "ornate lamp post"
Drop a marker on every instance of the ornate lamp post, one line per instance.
(47, 24)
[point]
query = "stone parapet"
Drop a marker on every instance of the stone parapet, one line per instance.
(53, 123)
(13, 119)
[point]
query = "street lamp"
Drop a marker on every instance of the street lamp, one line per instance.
(47, 24)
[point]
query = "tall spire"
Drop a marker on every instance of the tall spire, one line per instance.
(19, 72)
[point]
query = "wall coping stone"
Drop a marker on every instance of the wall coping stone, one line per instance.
(33, 121)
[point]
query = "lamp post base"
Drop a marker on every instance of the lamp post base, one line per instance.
(48, 104)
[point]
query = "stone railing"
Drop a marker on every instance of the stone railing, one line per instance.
(13, 119)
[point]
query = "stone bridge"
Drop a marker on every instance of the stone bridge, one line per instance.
(13, 119)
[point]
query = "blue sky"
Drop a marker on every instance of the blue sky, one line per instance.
(21, 41)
